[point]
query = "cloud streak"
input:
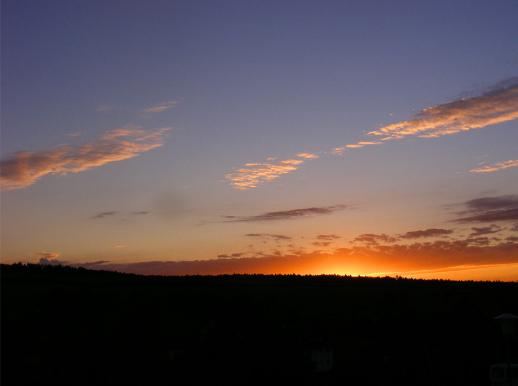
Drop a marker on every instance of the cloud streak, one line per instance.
(497, 105)
(291, 214)
(431, 232)
(160, 107)
(340, 150)
(328, 237)
(480, 231)
(104, 214)
(512, 163)
(272, 236)
(374, 239)
(24, 168)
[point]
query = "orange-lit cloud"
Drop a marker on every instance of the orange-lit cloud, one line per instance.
(496, 106)
(48, 255)
(488, 272)
(24, 168)
(357, 145)
(512, 163)
(254, 174)
(308, 155)
(361, 144)
(160, 107)
(50, 258)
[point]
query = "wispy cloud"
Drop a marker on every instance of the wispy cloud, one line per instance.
(160, 107)
(287, 214)
(357, 145)
(374, 239)
(328, 237)
(104, 214)
(512, 163)
(48, 255)
(231, 255)
(496, 106)
(139, 213)
(24, 168)
(321, 243)
(104, 108)
(490, 209)
(480, 231)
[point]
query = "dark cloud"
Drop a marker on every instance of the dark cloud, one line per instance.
(287, 214)
(431, 232)
(104, 214)
(45, 261)
(93, 263)
(493, 203)
(321, 243)
(328, 237)
(230, 256)
(478, 241)
(269, 236)
(374, 239)
(490, 209)
(113, 213)
(480, 231)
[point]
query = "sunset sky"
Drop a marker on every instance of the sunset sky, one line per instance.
(180, 137)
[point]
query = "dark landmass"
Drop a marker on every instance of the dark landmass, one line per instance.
(69, 326)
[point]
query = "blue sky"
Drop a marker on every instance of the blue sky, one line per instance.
(246, 81)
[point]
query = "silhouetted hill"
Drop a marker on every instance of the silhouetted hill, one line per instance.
(69, 326)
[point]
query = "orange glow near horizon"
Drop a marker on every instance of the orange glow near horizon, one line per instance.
(351, 262)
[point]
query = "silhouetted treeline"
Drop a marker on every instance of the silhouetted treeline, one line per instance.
(64, 326)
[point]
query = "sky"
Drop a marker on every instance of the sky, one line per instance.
(183, 137)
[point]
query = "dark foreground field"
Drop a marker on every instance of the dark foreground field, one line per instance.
(66, 326)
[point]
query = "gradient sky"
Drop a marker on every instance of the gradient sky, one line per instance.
(262, 136)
